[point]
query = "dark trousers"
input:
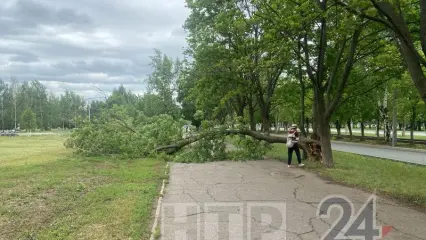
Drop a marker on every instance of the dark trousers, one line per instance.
(296, 149)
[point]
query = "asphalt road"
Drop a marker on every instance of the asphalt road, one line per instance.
(398, 154)
(368, 131)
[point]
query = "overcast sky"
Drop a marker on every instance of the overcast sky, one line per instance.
(82, 45)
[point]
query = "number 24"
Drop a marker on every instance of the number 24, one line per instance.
(348, 225)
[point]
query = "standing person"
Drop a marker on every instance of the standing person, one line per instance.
(292, 145)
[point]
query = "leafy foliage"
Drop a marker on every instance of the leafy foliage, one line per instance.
(249, 149)
(28, 120)
(115, 133)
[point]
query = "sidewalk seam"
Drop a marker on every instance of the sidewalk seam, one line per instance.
(157, 212)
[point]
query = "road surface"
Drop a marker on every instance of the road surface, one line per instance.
(367, 131)
(266, 200)
(398, 154)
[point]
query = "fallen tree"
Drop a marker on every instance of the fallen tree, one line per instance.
(119, 135)
(172, 148)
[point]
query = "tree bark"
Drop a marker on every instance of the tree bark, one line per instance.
(324, 130)
(378, 124)
(266, 121)
(302, 92)
(413, 121)
(173, 148)
(307, 126)
(362, 131)
(338, 128)
(277, 127)
(348, 122)
(251, 115)
(302, 109)
(413, 59)
(325, 140)
(403, 128)
(314, 121)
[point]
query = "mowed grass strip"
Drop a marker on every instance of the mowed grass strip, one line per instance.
(72, 197)
(399, 180)
(21, 150)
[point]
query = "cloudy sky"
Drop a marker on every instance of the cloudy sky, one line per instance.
(86, 45)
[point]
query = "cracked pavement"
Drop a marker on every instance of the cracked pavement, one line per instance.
(264, 200)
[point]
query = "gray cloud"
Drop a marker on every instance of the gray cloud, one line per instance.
(24, 57)
(77, 44)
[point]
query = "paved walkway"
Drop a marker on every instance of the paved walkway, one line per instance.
(399, 154)
(199, 197)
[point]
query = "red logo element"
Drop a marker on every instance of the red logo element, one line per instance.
(385, 231)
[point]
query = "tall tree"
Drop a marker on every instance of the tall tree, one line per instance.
(163, 80)
(28, 120)
(406, 20)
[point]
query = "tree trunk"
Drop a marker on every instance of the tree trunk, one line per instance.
(388, 131)
(323, 130)
(339, 134)
(378, 124)
(413, 120)
(266, 123)
(251, 115)
(302, 94)
(277, 127)
(349, 128)
(240, 112)
(173, 148)
(362, 131)
(302, 112)
(406, 43)
(307, 126)
(403, 128)
(325, 139)
(264, 111)
(314, 121)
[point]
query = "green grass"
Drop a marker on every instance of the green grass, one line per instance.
(48, 193)
(402, 181)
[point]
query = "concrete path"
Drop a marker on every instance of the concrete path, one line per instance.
(264, 200)
(399, 154)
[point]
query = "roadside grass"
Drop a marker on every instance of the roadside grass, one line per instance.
(402, 181)
(46, 192)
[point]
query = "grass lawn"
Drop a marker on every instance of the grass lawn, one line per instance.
(399, 180)
(48, 193)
